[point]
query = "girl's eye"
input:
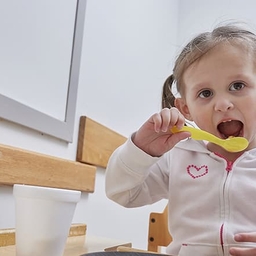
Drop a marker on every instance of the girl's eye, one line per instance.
(205, 94)
(236, 86)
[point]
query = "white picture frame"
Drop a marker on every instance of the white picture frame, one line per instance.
(17, 112)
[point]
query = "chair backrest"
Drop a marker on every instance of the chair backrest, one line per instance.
(158, 233)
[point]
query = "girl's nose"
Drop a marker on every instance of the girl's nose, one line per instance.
(223, 104)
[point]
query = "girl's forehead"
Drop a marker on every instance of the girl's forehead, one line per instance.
(224, 53)
(225, 59)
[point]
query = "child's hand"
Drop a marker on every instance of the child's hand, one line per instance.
(244, 237)
(154, 136)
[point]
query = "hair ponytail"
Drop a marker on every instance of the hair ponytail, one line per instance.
(168, 98)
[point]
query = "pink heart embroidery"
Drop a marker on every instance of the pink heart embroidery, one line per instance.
(197, 172)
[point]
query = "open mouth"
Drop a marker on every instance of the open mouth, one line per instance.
(229, 128)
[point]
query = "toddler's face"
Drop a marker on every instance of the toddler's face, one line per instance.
(220, 92)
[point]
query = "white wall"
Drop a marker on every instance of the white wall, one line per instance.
(127, 54)
(128, 51)
(196, 16)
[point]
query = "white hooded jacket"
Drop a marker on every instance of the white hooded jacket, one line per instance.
(210, 199)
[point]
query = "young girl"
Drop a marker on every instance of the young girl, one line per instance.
(211, 192)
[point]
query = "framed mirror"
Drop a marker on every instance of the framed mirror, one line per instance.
(40, 53)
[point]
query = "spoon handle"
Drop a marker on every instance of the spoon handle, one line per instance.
(234, 144)
(197, 134)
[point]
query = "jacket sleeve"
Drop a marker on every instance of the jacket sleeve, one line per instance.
(134, 178)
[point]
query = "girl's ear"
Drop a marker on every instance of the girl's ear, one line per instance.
(183, 108)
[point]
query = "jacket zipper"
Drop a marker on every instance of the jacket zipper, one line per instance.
(229, 167)
(221, 237)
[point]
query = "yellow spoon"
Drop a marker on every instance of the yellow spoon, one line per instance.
(231, 144)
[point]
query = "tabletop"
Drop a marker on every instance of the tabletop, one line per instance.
(78, 245)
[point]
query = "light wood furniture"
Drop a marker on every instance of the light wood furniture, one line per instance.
(95, 145)
(7, 236)
(19, 166)
(158, 233)
(77, 245)
(96, 142)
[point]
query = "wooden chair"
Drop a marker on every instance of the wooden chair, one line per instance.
(158, 233)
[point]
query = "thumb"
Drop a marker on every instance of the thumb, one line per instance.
(177, 137)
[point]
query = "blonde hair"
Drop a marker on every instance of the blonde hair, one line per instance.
(199, 46)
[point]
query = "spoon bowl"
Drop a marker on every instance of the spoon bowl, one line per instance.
(231, 144)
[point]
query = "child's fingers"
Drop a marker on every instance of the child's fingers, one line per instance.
(171, 117)
(179, 119)
(236, 251)
(157, 121)
(246, 237)
(166, 119)
(166, 115)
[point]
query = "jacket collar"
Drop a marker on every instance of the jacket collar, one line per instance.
(201, 146)
(193, 145)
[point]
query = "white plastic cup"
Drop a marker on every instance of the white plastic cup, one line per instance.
(43, 219)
